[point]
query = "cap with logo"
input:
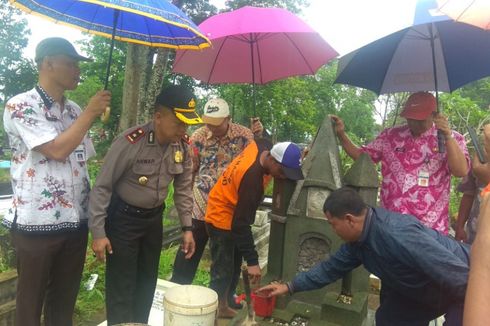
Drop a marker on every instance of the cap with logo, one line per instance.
(215, 111)
(419, 106)
(288, 155)
(57, 46)
(181, 100)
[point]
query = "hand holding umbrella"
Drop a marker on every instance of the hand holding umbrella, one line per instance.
(99, 103)
(434, 56)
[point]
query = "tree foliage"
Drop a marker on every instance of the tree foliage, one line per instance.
(197, 10)
(295, 6)
(17, 74)
(92, 80)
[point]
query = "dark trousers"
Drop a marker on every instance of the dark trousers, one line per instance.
(49, 268)
(226, 262)
(396, 309)
(132, 269)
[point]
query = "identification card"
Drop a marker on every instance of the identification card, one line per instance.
(80, 153)
(423, 179)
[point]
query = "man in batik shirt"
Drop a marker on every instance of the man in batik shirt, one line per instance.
(48, 217)
(213, 147)
(416, 176)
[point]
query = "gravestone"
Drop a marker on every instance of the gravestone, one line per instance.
(300, 235)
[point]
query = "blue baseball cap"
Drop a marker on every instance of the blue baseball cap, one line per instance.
(288, 155)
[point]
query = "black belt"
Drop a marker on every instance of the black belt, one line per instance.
(134, 210)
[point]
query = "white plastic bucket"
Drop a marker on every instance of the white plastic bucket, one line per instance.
(189, 305)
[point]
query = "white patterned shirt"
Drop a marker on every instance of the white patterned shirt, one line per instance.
(49, 195)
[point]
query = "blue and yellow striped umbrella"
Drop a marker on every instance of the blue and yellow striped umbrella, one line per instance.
(155, 23)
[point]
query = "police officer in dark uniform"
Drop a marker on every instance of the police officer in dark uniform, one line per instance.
(127, 202)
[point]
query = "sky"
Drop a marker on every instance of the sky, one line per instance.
(345, 24)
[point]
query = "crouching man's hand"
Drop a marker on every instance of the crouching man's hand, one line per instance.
(274, 289)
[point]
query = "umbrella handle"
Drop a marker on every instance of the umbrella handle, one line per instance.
(107, 113)
(441, 144)
(104, 117)
(477, 145)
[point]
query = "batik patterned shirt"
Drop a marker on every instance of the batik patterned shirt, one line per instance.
(211, 156)
(48, 195)
(416, 177)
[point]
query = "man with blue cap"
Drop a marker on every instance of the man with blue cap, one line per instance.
(232, 204)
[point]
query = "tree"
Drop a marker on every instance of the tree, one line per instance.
(294, 6)
(478, 91)
(153, 68)
(17, 74)
(92, 80)
(197, 10)
(292, 109)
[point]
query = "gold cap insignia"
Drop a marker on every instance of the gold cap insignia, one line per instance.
(143, 180)
(192, 103)
(178, 157)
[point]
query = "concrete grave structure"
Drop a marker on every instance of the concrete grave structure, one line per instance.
(301, 236)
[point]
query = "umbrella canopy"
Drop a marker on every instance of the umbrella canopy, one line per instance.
(149, 22)
(435, 56)
(474, 12)
(255, 45)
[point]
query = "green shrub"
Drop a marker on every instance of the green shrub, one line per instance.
(7, 253)
(4, 175)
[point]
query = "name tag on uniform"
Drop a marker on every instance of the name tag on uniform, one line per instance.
(423, 179)
(80, 153)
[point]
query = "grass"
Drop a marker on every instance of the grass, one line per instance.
(90, 303)
(4, 175)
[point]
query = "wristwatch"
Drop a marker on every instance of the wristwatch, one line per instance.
(186, 228)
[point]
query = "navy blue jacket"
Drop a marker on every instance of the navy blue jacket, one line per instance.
(418, 262)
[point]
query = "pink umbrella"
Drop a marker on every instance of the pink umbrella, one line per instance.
(255, 45)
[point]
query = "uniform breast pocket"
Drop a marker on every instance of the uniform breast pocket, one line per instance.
(145, 168)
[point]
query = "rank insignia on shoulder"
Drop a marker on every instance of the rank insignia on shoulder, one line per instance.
(186, 139)
(151, 137)
(135, 135)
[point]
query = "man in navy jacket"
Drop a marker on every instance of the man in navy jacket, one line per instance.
(424, 274)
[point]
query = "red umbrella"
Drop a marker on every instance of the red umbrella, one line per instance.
(255, 45)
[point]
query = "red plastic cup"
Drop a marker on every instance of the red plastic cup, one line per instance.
(263, 305)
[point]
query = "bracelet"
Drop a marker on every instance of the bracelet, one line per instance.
(186, 228)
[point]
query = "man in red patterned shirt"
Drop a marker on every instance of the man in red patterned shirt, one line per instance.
(416, 176)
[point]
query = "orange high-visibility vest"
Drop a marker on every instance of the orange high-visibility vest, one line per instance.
(223, 197)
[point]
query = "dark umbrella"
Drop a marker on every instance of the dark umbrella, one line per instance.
(439, 55)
